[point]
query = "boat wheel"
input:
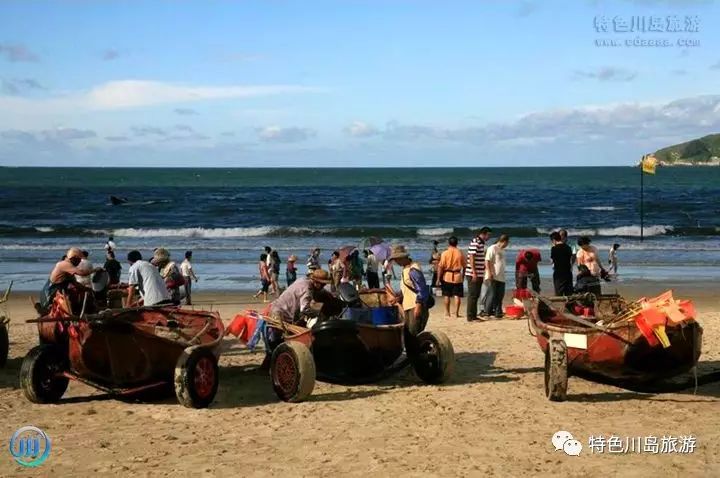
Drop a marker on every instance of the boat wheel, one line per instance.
(39, 374)
(292, 371)
(434, 357)
(556, 371)
(196, 377)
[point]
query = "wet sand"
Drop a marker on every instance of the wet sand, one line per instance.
(491, 419)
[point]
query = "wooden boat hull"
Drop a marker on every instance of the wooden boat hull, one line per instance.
(607, 356)
(126, 348)
(347, 352)
(622, 353)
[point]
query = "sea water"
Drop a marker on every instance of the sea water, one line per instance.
(226, 216)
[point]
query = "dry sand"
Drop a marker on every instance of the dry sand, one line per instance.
(492, 419)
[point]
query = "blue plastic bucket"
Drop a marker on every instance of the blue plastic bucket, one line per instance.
(384, 315)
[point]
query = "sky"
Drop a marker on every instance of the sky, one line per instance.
(362, 83)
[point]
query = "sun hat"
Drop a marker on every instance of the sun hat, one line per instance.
(292, 258)
(398, 252)
(320, 275)
(161, 255)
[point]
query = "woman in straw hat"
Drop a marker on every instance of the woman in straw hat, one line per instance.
(414, 298)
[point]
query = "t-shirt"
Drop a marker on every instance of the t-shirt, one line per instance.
(451, 264)
(523, 265)
(496, 255)
(149, 281)
(477, 247)
(110, 246)
(113, 269)
(294, 301)
(590, 259)
(186, 268)
(561, 255)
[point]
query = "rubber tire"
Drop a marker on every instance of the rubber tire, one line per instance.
(556, 371)
(439, 367)
(41, 361)
(4, 345)
(303, 364)
(185, 372)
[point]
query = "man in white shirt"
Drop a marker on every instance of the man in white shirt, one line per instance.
(189, 275)
(495, 276)
(147, 279)
(85, 265)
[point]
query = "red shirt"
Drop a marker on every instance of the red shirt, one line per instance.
(525, 266)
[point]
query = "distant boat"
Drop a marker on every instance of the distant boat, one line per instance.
(116, 201)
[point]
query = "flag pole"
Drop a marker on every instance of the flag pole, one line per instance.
(642, 191)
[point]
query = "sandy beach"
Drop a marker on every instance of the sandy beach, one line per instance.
(491, 419)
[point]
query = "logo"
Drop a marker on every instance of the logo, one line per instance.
(30, 446)
(564, 441)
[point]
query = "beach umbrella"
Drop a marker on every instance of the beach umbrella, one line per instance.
(381, 251)
(368, 242)
(345, 251)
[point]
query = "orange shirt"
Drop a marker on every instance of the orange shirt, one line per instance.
(451, 265)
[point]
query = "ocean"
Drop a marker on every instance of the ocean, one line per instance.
(226, 216)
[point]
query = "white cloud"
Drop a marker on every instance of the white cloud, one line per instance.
(276, 134)
(607, 73)
(127, 94)
(686, 117)
(360, 129)
(136, 93)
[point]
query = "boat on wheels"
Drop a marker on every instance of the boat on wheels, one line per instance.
(608, 338)
(358, 339)
(124, 352)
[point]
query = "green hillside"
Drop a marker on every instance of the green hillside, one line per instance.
(698, 151)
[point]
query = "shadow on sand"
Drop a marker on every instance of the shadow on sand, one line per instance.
(10, 374)
(248, 386)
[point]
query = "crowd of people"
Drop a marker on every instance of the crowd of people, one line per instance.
(155, 282)
(482, 269)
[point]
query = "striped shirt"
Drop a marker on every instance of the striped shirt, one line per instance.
(476, 252)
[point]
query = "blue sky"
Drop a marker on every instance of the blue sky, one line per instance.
(351, 83)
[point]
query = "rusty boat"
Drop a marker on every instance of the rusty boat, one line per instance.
(362, 342)
(125, 351)
(606, 338)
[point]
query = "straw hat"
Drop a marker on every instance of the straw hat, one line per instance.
(73, 252)
(320, 275)
(161, 255)
(292, 258)
(398, 252)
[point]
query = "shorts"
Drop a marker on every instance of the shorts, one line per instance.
(452, 290)
(265, 285)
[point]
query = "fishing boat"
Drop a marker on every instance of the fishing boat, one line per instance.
(611, 339)
(124, 352)
(363, 343)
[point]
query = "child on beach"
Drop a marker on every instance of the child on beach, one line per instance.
(612, 258)
(264, 278)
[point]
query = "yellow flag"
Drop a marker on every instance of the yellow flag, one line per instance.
(648, 163)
